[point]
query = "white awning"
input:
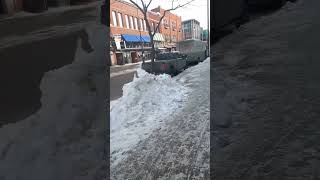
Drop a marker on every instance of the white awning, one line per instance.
(158, 37)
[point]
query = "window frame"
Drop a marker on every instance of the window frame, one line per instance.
(136, 23)
(127, 21)
(114, 18)
(120, 19)
(132, 22)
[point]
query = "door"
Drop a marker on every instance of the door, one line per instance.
(119, 58)
(134, 57)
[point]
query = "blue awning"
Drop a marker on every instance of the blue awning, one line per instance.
(130, 38)
(135, 38)
(146, 38)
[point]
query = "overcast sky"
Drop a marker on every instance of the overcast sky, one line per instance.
(195, 10)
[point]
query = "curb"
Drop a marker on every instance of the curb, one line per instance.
(117, 68)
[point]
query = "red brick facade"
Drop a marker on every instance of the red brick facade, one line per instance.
(128, 12)
(154, 19)
(171, 26)
(126, 18)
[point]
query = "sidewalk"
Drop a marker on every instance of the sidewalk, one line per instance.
(118, 68)
(126, 68)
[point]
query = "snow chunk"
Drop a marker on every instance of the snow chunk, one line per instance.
(146, 103)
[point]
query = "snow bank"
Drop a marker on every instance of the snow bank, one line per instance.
(146, 102)
(195, 73)
(65, 138)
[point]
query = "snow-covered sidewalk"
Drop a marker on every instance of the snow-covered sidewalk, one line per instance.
(160, 127)
(266, 97)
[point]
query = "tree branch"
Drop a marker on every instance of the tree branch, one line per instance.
(137, 5)
(180, 6)
(149, 3)
(142, 2)
(172, 9)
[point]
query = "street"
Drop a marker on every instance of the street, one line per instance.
(116, 84)
(119, 76)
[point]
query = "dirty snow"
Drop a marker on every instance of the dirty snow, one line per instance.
(266, 74)
(65, 138)
(178, 147)
(146, 103)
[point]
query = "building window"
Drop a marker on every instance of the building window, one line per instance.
(153, 28)
(120, 19)
(136, 23)
(141, 25)
(127, 21)
(144, 25)
(173, 25)
(114, 18)
(165, 24)
(131, 22)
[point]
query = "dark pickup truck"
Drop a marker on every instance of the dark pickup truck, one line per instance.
(168, 63)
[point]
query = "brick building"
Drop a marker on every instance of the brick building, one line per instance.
(126, 25)
(158, 39)
(129, 31)
(170, 28)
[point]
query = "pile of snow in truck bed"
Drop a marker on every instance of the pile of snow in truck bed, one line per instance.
(146, 103)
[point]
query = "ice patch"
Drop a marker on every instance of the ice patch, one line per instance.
(146, 103)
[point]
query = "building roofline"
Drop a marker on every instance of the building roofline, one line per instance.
(125, 2)
(132, 5)
(190, 20)
(159, 9)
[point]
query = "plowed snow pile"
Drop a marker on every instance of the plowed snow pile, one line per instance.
(146, 103)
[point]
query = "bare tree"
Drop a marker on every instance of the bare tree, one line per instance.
(144, 9)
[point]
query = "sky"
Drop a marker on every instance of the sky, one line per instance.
(195, 10)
